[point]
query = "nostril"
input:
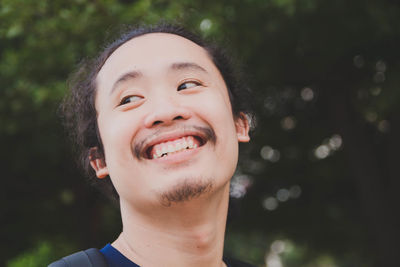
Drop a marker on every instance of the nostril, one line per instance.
(165, 116)
(160, 121)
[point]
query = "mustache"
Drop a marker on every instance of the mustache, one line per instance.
(207, 132)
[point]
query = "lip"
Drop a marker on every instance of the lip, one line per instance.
(170, 136)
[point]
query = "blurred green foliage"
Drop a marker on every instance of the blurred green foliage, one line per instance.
(40, 257)
(321, 172)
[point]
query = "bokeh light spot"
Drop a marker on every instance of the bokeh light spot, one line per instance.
(239, 185)
(380, 66)
(67, 197)
(379, 77)
(205, 25)
(384, 126)
(273, 260)
(270, 154)
(295, 191)
(307, 94)
(375, 91)
(371, 116)
(322, 152)
(288, 123)
(335, 142)
(270, 203)
(283, 194)
(278, 246)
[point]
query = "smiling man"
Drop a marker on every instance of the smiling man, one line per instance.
(159, 117)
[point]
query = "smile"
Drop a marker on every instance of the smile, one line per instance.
(178, 140)
(167, 148)
(175, 142)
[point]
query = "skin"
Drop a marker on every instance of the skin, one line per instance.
(155, 86)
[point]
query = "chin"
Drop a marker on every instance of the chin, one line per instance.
(185, 190)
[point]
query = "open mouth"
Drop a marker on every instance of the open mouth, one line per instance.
(174, 146)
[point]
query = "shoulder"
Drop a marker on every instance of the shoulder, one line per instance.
(87, 258)
(236, 263)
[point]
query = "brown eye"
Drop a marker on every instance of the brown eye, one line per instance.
(130, 99)
(187, 85)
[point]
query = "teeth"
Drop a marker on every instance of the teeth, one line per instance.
(172, 147)
(190, 143)
(178, 146)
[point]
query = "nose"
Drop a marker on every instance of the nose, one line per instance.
(166, 112)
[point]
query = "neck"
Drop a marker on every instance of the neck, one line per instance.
(185, 234)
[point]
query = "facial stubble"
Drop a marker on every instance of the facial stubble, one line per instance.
(186, 190)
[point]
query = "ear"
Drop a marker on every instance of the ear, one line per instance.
(242, 128)
(98, 163)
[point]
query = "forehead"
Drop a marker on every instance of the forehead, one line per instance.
(150, 53)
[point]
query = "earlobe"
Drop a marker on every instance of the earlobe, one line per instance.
(242, 128)
(97, 163)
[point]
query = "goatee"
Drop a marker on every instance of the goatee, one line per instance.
(186, 190)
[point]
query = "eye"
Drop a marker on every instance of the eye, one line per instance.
(188, 84)
(130, 99)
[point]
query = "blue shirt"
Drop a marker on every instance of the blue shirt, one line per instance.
(115, 258)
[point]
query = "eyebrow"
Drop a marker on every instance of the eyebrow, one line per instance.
(125, 77)
(187, 65)
(174, 66)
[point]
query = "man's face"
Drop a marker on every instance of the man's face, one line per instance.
(165, 120)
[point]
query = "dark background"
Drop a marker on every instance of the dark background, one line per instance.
(317, 186)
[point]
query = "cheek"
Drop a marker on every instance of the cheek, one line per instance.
(216, 107)
(116, 134)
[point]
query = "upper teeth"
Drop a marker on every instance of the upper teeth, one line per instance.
(170, 147)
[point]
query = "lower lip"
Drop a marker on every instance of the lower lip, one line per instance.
(178, 157)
